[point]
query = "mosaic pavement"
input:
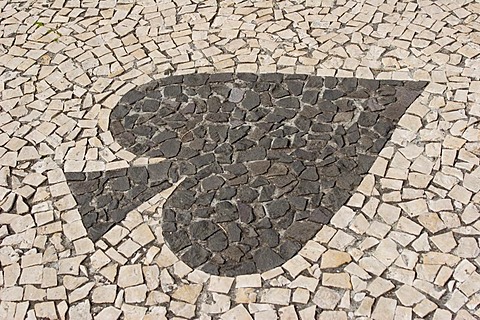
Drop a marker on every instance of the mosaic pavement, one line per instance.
(191, 159)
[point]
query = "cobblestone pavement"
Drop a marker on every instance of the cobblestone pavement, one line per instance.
(188, 159)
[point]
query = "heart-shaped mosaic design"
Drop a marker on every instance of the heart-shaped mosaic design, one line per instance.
(266, 160)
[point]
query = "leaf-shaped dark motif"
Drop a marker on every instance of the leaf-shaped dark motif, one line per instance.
(266, 160)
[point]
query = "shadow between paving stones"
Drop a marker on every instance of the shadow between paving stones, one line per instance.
(267, 160)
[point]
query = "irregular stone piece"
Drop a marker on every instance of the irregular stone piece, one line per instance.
(46, 310)
(104, 294)
(279, 296)
(334, 259)
(326, 298)
(239, 312)
(130, 275)
(266, 258)
(195, 256)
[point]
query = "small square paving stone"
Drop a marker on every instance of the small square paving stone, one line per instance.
(188, 293)
(128, 248)
(136, 294)
(461, 194)
(385, 309)
(467, 248)
(104, 294)
(379, 286)
(70, 265)
(115, 235)
(31, 275)
(337, 280)
(99, 259)
(130, 275)
(301, 295)
(276, 296)
(296, 265)
(81, 292)
(142, 235)
(80, 311)
(248, 281)
(45, 310)
(326, 298)
(182, 309)
(305, 282)
(334, 259)
(312, 251)
(220, 284)
(74, 230)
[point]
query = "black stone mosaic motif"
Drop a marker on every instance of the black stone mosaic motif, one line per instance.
(105, 198)
(266, 160)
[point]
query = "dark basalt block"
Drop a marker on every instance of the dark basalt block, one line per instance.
(268, 160)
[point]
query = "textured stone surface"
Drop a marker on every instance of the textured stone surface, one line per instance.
(66, 64)
(266, 163)
(105, 198)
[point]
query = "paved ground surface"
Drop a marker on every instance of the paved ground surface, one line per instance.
(128, 191)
